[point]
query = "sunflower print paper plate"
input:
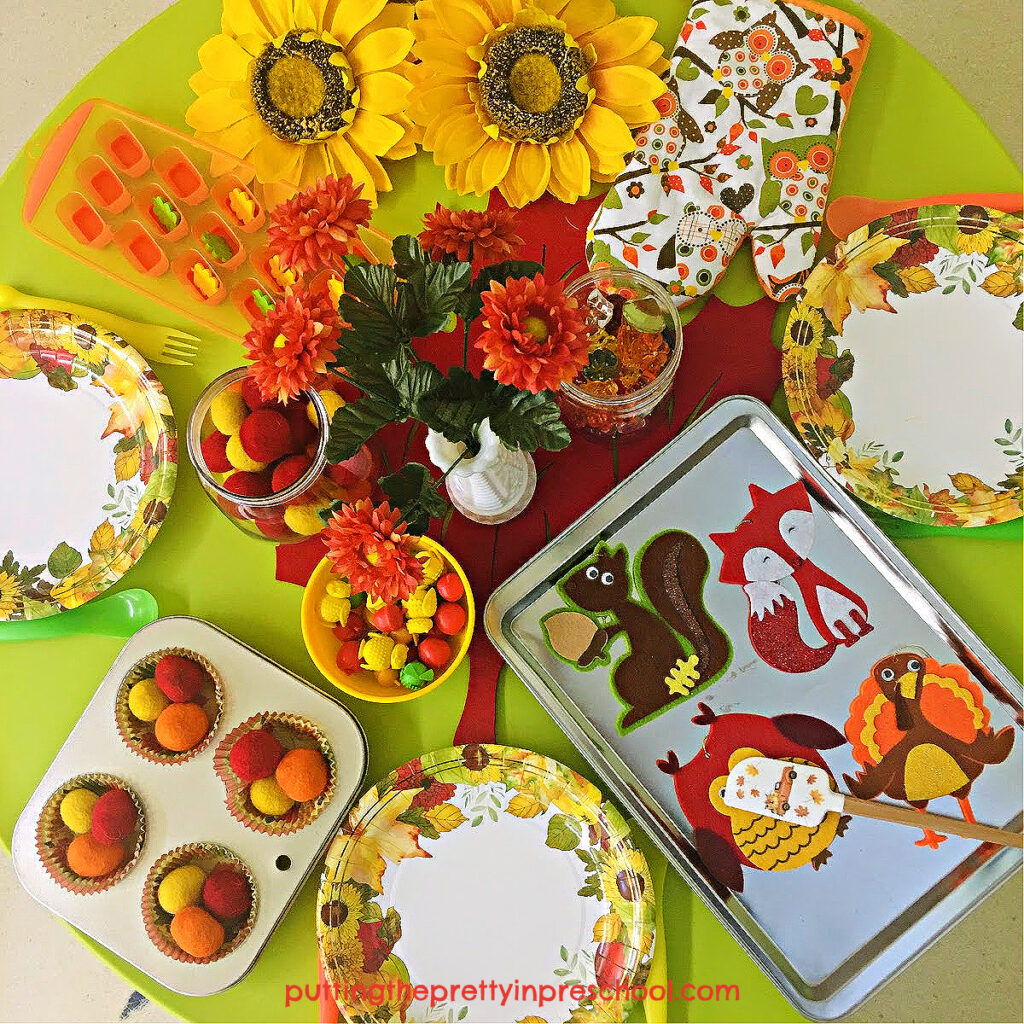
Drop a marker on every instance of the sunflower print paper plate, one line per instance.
(88, 466)
(485, 863)
(902, 364)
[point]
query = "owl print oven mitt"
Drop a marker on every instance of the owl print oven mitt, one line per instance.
(757, 94)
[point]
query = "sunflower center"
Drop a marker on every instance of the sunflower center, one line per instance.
(535, 83)
(532, 84)
(536, 329)
(295, 85)
(303, 88)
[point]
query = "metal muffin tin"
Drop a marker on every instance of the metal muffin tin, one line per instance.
(826, 938)
(184, 803)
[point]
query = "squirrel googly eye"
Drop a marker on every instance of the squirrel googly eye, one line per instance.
(721, 792)
(607, 579)
(914, 665)
(888, 675)
(592, 572)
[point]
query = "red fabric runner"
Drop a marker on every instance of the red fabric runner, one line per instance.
(726, 351)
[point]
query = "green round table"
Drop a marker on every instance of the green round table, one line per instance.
(909, 133)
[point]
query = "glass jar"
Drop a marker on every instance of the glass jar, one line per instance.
(290, 514)
(612, 396)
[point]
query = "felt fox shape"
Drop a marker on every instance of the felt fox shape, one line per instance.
(771, 545)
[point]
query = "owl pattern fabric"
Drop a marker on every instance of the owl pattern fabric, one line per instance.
(757, 95)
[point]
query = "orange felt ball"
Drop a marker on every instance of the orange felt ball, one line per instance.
(181, 726)
(197, 932)
(91, 859)
(302, 774)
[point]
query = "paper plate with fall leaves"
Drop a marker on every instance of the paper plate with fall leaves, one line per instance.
(902, 363)
(481, 864)
(88, 467)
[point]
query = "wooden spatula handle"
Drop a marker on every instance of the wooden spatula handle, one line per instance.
(938, 822)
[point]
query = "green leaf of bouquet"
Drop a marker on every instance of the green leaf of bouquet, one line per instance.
(435, 290)
(63, 561)
(355, 423)
(375, 306)
(527, 422)
(409, 255)
(412, 490)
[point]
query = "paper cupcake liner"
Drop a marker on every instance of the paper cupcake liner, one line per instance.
(139, 737)
(158, 921)
(293, 731)
(53, 837)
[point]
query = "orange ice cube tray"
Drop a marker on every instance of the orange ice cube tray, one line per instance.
(134, 198)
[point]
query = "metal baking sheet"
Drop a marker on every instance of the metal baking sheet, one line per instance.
(827, 937)
(185, 804)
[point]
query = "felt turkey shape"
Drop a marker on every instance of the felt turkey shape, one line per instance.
(920, 731)
(728, 840)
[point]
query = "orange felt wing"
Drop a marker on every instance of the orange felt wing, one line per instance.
(952, 701)
(871, 727)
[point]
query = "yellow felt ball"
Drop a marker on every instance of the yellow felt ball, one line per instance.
(269, 798)
(227, 411)
(332, 402)
(237, 457)
(181, 887)
(76, 810)
(146, 700)
(304, 519)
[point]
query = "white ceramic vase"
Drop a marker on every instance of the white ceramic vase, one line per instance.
(493, 486)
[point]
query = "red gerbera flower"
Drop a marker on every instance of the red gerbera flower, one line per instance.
(535, 337)
(319, 225)
(371, 549)
(491, 233)
(292, 344)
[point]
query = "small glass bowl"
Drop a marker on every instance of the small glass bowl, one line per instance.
(284, 517)
(628, 413)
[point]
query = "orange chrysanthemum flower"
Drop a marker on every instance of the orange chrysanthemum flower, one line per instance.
(293, 343)
(369, 546)
(319, 225)
(490, 234)
(535, 337)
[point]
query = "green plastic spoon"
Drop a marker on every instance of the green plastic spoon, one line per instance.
(120, 614)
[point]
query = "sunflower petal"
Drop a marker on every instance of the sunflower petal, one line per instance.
(380, 50)
(489, 165)
(459, 140)
(241, 137)
(503, 10)
(384, 92)
(447, 54)
(348, 161)
(426, 104)
(570, 165)
(604, 131)
(276, 160)
(240, 18)
(378, 176)
(277, 14)
(222, 58)
(214, 110)
(641, 114)
(438, 125)
(351, 16)
(374, 132)
(619, 39)
(528, 174)
(202, 82)
(463, 21)
(318, 163)
(582, 16)
(626, 85)
(650, 56)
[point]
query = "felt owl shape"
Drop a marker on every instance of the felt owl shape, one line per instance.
(797, 172)
(750, 124)
(758, 62)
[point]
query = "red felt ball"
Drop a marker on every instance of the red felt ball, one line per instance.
(252, 397)
(275, 528)
(352, 630)
(255, 755)
(215, 452)
(287, 471)
(179, 678)
(348, 656)
(450, 618)
(113, 817)
(248, 485)
(450, 587)
(389, 618)
(434, 652)
(265, 435)
(303, 432)
(226, 893)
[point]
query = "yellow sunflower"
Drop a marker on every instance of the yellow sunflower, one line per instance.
(626, 880)
(307, 88)
(10, 593)
(341, 913)
(975, 231)
(532, 95)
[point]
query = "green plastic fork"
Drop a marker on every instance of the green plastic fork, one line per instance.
(156, 344)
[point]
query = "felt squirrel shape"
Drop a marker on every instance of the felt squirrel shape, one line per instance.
(770, 545)
(674, 644)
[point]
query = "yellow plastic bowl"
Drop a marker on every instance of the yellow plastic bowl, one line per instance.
(323, 645)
